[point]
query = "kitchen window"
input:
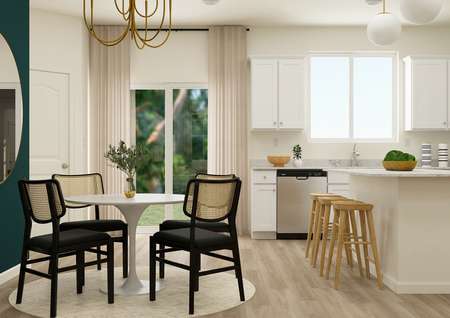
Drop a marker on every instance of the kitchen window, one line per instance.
(172, 123)
(352, 97)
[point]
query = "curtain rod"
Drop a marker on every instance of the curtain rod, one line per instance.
(183, 30)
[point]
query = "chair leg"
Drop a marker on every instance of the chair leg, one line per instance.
(362, 219)
(110, 269)
(198, 264)
(80, 270)
(342, 230)
(334, 235)
(310, 228)
(356, 241)
(54, 285)
(125, 253)
(83, 273)
(238, 270)
(23, 265)
(99, 258)
(373, 243)
(152, 263)
(326, 220)
(193, 276)
(162, 255)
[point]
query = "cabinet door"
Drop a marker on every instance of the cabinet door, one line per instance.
(264, 208)
(264, 94)
(429, 94)
(291, 94)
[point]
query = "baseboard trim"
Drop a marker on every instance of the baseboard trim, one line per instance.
(410, 287)
(9, 274)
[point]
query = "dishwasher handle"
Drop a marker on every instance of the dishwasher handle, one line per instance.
(302, 178)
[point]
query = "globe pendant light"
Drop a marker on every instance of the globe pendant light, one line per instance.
(421, 11)
(384, 28)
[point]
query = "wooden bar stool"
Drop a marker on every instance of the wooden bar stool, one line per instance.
(325, 204)
(314, 219)
(345, 215)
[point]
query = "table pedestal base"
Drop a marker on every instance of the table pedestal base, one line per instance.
(125, 289)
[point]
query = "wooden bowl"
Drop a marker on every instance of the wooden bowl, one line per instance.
(278, 161)
(399, 165)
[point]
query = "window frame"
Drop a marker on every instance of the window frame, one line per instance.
(395, 96)
(168, 140)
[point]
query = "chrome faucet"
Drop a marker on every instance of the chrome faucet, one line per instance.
(355, 155)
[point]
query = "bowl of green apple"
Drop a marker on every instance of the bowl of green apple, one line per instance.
(396, 160)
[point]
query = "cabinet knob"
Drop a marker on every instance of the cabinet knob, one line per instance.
(265, 177)
(274, 123)
(281, 123)
(444, 123)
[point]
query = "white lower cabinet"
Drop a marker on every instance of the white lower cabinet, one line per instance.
(264, 205)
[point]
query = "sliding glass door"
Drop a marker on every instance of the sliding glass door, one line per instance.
(172, 123)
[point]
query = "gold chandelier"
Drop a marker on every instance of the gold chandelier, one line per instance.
(130, 13)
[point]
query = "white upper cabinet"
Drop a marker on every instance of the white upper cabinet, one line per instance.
(264, 93)
(426, 93)
(291, 94)
(277, 93)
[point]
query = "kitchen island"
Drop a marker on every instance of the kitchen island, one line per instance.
(412, 216)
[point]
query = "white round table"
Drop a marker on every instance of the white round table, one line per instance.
(132, 210)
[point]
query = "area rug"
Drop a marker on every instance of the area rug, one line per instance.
(217, 293)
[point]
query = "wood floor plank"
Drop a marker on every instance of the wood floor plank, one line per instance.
(287, 286)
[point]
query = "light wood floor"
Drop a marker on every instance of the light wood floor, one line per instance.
(286, 286)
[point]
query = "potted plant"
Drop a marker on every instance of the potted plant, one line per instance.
(297, 155)
(126, 159)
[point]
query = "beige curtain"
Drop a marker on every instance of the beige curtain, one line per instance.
(227, 110)
(110, 113)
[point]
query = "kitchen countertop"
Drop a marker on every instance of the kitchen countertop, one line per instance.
(380, 172)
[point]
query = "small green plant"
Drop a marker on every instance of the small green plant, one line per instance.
(297, 152)
(397, 155)
(126, 158)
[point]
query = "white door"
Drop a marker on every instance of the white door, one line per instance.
(291, 94)
(264, 94)
(49, 128)
(429, 94)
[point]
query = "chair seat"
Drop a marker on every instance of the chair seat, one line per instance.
(204, 239)
(69, 240)
(94, 225)
(179, 224)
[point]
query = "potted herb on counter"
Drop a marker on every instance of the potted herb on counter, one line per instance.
(297, 155)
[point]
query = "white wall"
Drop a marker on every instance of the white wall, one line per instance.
(300, 41)
(8, 68)
(60, 43)
(184, 58)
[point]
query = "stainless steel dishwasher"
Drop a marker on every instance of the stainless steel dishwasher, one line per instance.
(293, 200)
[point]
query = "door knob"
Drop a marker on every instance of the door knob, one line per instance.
(65, 166)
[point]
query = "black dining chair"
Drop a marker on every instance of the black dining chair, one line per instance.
(206, 200)
(92, 183)
(43, 202)
(220, 227)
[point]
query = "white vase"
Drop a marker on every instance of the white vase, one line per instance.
(298, 162)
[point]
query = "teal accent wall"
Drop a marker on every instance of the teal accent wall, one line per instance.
(14, 26)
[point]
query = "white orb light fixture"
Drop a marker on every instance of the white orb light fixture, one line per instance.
(384, 29)
(421, 11)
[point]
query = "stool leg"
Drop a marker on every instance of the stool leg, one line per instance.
(334, 235)
(317, 234)
(310, 227)
(326, 221)
(373, 242)
(356, 242)
(342, 230)
(347, 247)
(362, 220)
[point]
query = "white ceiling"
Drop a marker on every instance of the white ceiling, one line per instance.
(247, 12)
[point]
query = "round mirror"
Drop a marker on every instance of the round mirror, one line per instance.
(10, 110)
